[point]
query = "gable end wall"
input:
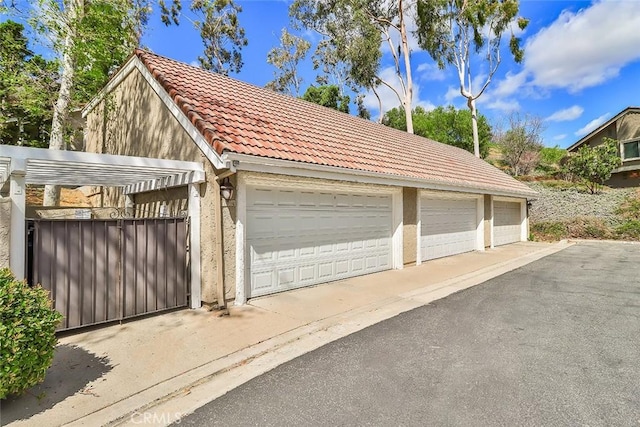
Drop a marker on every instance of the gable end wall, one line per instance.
(133, 120)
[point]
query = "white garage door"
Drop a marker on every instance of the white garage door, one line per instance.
(298, 238)
(506, 222)
(448, 226)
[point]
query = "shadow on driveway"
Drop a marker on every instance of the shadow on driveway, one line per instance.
(72, 370)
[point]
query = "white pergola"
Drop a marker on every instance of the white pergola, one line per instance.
(20, 166)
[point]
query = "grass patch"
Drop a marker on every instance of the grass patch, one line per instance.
(629, 209)
(582, 228)
(548, 231)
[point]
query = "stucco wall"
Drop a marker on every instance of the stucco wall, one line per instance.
(625, 179)
(628, 126)
(410, 222)
(488, 202)
(608, 132)
(625, 128)
(5, 228)
(133, 120)
(229, 242)
(149, 205)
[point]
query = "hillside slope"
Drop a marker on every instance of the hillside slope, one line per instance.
(564, 211)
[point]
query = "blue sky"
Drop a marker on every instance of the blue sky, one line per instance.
(581, 67)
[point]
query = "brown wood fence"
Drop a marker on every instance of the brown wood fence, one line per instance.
(104, 270)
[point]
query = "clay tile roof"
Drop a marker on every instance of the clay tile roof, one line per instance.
(238, 117)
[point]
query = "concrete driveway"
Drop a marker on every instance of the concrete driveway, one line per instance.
(556, 342)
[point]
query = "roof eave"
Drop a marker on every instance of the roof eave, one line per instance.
(135, 62)
(602, 126)
(249, 163)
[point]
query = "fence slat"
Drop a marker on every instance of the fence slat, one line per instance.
(104, 270)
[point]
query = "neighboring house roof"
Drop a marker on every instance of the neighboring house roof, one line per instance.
(605, 125)
(237, 117)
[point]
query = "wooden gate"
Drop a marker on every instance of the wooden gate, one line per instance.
(104, 270)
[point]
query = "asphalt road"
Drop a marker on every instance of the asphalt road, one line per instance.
(555, 343)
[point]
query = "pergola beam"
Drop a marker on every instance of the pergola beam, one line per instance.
(177, 180)
(21, 166)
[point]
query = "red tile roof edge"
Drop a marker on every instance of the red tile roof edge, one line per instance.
(211, 136)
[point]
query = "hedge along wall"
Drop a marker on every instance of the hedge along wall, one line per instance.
(5, 229)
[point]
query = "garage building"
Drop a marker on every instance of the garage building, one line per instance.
(297, 194)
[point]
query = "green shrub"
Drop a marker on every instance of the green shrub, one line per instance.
(630, 208)
(551, 156)
(629, 230)
(558, 184)
(588, 228)
(550, 160)
(594, 165)
(27, 334)
(551, 230)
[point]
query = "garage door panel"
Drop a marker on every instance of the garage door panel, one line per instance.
(310, 237)
(506, 222)
(448, 227)
(342, 267)
(308, 272)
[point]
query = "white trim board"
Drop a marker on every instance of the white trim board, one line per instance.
(243, 162)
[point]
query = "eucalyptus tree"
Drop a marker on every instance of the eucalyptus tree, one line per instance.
(27, 84)
(327, 96)
(354, 33)
(454, 30)
(447, 125)
(90, 39)
(286, 58)
(220, 31)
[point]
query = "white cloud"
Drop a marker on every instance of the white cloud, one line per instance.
(195, 63)
(504, 105)
(586, 48)
(560, 137)
(431, 72)
(592, 125)
(453, 92)
(511, 84)
(389, 98)
(426, 105)
(566, 114)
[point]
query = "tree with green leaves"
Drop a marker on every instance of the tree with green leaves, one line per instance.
(594, 165)
(452, 30)
(521, 143)
(27, 85)
(352, 31)
(91, 38)
(219, 28)
(447, 125)
(286, 59)
(327, 96)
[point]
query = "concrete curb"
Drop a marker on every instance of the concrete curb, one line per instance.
(165, 402)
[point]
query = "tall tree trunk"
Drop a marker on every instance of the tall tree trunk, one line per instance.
(408, 94)
(61, 107)
(474, 122)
